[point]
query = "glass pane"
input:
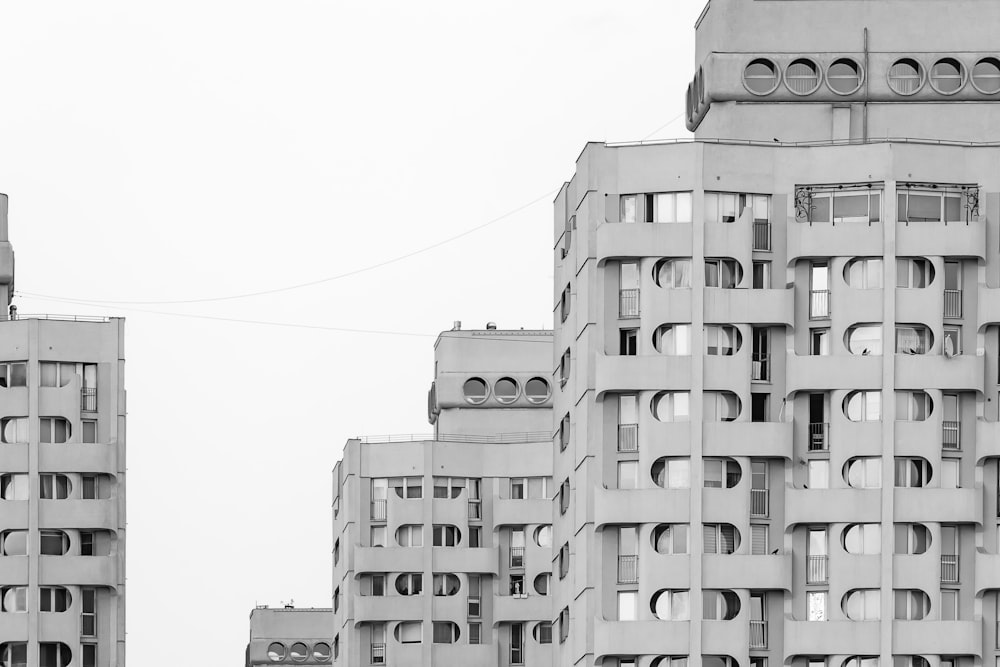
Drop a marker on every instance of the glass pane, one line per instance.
(679, 474)
(924, 208)
(628, 209)
(850, 207)
(47, 374)
(820, 211)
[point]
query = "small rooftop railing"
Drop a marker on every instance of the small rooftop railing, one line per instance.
(63, 318)
(501, 438)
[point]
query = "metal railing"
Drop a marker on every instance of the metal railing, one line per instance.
(378, 653)
(475, 509)
(500, 438)
(818, 440)
(88, 399)
(949, 568)
(62, 318)
(816, 571)
(953, 303)
(761, 235)
(517, 556)
(760, 367)
(951, 434)
(819, 304)
(628, 437)
(378, 510)
(758, 634)
(759, 502)
(628, 569)
(628, 303)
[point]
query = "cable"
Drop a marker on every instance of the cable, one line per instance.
(662, 126)
(287, 288)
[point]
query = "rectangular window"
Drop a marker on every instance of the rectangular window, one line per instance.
(952, 340)
(13, 374)
(628, 340)
(87, 542)
(628, 604)
(475, 633)
(760, 410)
(816, 556)
(916, 205)
(445, 535)
(951, 474)
(544, 633)
(724, 273)
(819, 290)
(89, 430)
(89, 655)
(719, 538)
(475, 537)
(949, 604)
(628, 474)
(819, 474)
(408, 487)
(88, 614)
(378, 536)
(627, 208)
(816, 605)
(758, 539)
(53, 429)
(53, 486)
(56, 542)
(378, 585)
(668, 207)
(761, 275)
(518, 488)
(90, 487)
(848, 205)
(819, 341)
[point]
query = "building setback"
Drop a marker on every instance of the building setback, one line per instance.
(62, 485)
(777, 419)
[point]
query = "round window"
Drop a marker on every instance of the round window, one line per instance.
(299, 652)
(906, 76)
(802, 77)
(537, 390)
(506, 390)
(844, 76)
(321, 651)
(475, 390)
(986, 76)
(276, 652)
(761, 77)
(948, 76)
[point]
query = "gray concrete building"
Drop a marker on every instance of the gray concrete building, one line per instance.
(288, 635)
(777, 419)
(62, 485)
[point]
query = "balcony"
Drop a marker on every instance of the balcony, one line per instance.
(833, 506)
(819, 304)
(758, 634)
(759, 502)
(760, 367)
(831, 637)
(378, 510)
(628, 437)
(937, 637)
(922, 505)
(949, 569)
(817, 570)
(737, 438)
(771, 571)
(953, 303)
(616, 506)
(955, 239)
(378, 653)
(762, 235)
(951, 433)
(88, 399)
(738, 306)
(819, 440)
(988, 306)
(517, 557)
(987, 572)
(844, 239)
(628, 303)
(987, 439)
(641, 637)
(615, 240)
(814, 372)
(376, 608)
(628, 569)
(962, 372)
(618, 373)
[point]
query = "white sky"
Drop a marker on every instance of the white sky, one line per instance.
(183, 150)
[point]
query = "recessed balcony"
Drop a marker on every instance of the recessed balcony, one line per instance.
(940, 239)
(616, 373)
(619, 240)
(842, 239)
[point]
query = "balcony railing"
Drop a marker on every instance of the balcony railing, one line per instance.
(475, 510)
(758, 502)
(378, 510)
(816, 569)
(88, 399)
(949, 569)
(628, 569)
(378, 653)
(761, 235)
(628, 437)
(818, 440)
(819, 304)
(760, 367)
(628, 303)
(517, 556)
(758, 634)
(953, 303)
(951, 433)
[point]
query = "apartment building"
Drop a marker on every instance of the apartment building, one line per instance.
(62, 485)
(288, 635)
(777, 350)
(442, 543)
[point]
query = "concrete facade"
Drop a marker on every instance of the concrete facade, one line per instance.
(289, 636)
(62, 486)
(442, 543)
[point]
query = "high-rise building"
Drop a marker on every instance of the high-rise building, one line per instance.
(442, 543)
(777, 346)
(62, 485)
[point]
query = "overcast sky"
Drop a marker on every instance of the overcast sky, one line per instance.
(189, 150)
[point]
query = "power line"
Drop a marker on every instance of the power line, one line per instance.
(287, 288)
(662, 126)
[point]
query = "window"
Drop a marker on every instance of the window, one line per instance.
(89, 655)
(506, 390)
(864, 339)
(377, 582)
(517, 550)
(564, 432)
(564, 367)
(446, 585)
(541, 583)
(861, 661)
(475, 537)
(517, 643)
(13, 374)
(627, 208)
(911, 604)
(952, 340)
(53, 654)
(475, 390)
(628, 290)
(56, 542)
(863, 539)
(564, 496)
(53, 486)
(859, 204)
(543, 633)
(720, 538)
(410, 535)
(672, 473)
(564, 304)
(409, 632)
(628, 605)
(864, 273)
(819, 341)
(668, 605)
(722, 339)
(673, 339)
(913, 406)
(58, 374)
(906, 76)
(628, 342)
(947, 76)
(673, 273)
(446, 535)
(14, 599)
(819, 291)
(864, 472)
(913, 272)
(14, 654)
(758, 539)
(912, 471)
(475, 633)
(518, 488)
(844, 77)
(408, 487)
(298, 652)
(725, 207)
(761, 76)
(672, 406)
(536, 390)
(14, 542)
(722, 272)
(949, 604)
(628, 423)
(55, 599)
(721, 406)
(88, 543)
(89, 430)
(911, 538)
(951, 471)
(321, 650)
(14, 429)
(818, 474)
(563, 560)
(913, 339)
(53, 429)
(719, 605)
(863, 406)
(816, 605)
(411, 583)
(816, 555)
(628, 474)
(986, 76)
(760, 410)
(543, 536)
(14, 486)
(671, 538)
(563, 624)
(721, 473)
(378, 536)
(930, 205)
(761, 275)
(445, 632)
(802, 76)
(668, 207)
(378, 642)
